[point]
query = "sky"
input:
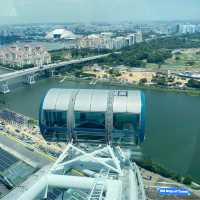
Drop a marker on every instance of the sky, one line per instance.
(40, 11)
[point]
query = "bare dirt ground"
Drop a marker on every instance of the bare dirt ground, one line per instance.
(136, 76)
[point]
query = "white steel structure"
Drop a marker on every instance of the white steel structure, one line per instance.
(87, 173)
(89, 168)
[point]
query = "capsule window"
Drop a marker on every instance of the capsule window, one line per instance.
(55, 118)
(126, 122)
(92, 120)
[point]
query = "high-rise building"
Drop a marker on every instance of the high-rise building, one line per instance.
(107, 41)
(138, 37)
(131, 39)
(187, 28)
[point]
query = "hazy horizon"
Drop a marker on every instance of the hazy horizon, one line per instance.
(63, 11)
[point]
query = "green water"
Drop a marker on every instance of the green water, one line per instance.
(172, 122)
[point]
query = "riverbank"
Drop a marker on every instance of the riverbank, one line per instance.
(153, 181)
(134, 86)
(157, 168)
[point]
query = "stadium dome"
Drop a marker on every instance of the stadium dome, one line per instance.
(60, 34)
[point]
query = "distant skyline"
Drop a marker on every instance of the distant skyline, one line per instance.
(46, 11)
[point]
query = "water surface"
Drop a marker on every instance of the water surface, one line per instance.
(172, 122)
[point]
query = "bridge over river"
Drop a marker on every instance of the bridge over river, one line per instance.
(30, 73)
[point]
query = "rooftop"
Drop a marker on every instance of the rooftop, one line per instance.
(92, 100)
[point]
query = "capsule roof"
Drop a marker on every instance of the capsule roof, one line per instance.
(93, 100)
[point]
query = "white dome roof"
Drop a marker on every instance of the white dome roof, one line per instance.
(93, 36)
(58, 31)
(64, 34)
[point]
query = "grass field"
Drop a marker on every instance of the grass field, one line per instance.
(187, 59)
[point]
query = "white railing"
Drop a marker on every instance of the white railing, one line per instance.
(141, 193)
(98, 188)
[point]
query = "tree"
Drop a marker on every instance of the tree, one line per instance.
(190, 63)
(193, 83)
(160, 80)
(111, 71)
(178, 178)
(187, 180)
(114, 73)
(156, 57)
(143, 81)
(198, 53)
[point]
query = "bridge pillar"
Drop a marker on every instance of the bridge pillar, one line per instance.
(4, 87)
(50, 72)
(30, 79)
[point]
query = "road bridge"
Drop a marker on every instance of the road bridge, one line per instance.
(30, 73)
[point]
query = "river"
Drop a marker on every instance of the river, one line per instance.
(172, 122)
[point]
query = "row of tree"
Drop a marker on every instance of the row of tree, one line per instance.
(153, 51)
(60, 54)
(138, 55)
(152, 166)
(193, 83)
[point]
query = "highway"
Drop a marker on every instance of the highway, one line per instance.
(23, 72)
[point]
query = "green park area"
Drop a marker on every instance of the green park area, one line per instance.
(179, 51)
(185, 59)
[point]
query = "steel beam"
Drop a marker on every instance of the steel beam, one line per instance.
(109, 117)
(30, 79)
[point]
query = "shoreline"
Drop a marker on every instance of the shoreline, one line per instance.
(188, 91)
(152, 181)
